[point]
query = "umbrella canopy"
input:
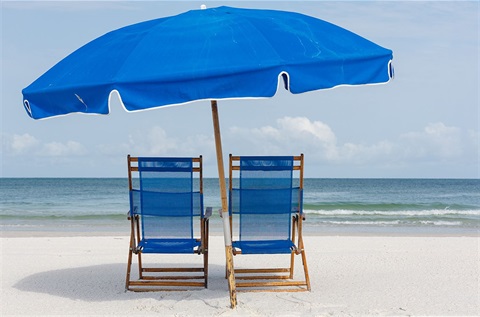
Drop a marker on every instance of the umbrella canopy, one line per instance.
(215, 53)
(212, 54)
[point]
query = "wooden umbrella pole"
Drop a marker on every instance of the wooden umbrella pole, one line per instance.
(225, 217)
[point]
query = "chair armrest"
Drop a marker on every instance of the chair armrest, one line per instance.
(299, 212)
(208, 212)
(134, 213)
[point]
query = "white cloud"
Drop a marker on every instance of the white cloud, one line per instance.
(301, 126)
(69, 148)
(436, 140)
(317, 140)
(316, 134)
(26, 144)
(22, 143)
(313, 138)
(290, 134)
(157, 142)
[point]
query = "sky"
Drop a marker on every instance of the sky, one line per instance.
(422, 124)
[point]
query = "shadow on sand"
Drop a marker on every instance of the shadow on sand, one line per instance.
(107, 283)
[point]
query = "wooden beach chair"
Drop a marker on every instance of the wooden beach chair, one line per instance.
(166, 196)
(266, 215)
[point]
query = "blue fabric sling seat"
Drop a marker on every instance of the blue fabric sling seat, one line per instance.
(265, 246)
(165, 199)
(168, 245)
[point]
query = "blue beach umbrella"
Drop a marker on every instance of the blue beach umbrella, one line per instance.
(210, 54)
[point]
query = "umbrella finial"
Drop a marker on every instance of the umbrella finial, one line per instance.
(203, 7)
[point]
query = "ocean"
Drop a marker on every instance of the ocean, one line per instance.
(332, 206)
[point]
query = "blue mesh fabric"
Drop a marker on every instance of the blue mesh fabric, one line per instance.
(265, 199)
(168, 245)
(135, 202)
(167, 201)
(264, 246)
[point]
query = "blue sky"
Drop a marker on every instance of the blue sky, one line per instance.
(425, 123)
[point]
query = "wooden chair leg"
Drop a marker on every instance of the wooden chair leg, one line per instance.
(129, 267)
(305, 269)
(205, 268)
(292, 256)
(292, 264)
(140, 267)
(205, 253)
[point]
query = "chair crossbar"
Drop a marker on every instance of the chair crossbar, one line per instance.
(237, 168)
(194, 159)
(173, 277)
(156, 289)
(157, 270)
(263, 277)
(273, 290)
(270, 284)
(135, 169)
(237, 157)
(166, 283)
(273, 270)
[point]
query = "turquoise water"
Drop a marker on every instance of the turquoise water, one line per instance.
(332, 205)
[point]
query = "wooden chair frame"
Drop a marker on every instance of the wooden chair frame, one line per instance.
(274, 279)
(166, 278)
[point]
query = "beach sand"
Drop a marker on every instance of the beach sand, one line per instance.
(350, 276)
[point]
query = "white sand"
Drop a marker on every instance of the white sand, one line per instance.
(374, 275)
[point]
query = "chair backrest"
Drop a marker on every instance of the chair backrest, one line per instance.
(166, 195)
(265, 194)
